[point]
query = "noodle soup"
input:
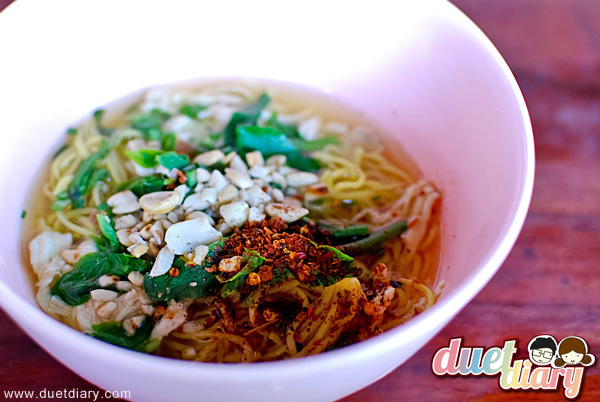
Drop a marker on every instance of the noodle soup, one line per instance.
(233, 223)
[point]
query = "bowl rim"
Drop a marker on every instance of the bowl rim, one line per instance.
(21, 311)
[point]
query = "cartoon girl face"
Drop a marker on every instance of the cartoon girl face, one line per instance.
(573, 350)
(572, 357)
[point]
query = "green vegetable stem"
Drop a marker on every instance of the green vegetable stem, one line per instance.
(375, 240)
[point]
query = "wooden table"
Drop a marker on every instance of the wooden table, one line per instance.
(550, 282)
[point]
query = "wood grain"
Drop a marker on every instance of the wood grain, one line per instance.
(550, 282)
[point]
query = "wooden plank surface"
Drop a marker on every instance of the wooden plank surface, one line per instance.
(550, 282)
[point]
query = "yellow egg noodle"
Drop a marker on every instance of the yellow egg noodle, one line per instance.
(363, 186)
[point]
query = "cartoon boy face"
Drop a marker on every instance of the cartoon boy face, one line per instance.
(572, 357)
(542, 356)
(542, 350)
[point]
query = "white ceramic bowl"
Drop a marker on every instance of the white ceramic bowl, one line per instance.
(422, 71)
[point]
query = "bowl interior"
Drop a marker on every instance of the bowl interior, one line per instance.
(424, 73)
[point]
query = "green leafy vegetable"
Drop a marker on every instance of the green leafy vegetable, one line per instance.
(340, 255)
(300, 143)
(191, 110)
(271, 141)
(83, 181)
(146, 158)
(252, 258)
(251, 262)
(375, 240)
(168, 142)
(296, 160)
(108, 231)
(97, 175)
(113, 332)
(101, 242)
(108, 240)
(147, 120)
(288, 129)
(75, 286)
(153, 134)
(150, 124)
(173, 160)
(143, 185)
(190, 282)
(192, 179)
(23, 214)
(149, 158)
(72, 131)
(246, 116)
(267, 140)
